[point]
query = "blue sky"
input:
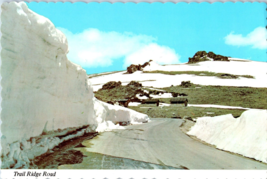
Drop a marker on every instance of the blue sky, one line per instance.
(108, 37)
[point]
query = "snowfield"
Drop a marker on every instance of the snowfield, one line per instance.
(236, 67)
(246, 135)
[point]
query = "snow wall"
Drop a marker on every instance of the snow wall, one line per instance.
(42, 91)
(246, 135)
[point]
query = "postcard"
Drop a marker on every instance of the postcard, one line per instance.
(157, 90)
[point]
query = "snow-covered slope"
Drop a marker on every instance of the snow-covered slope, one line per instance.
(236, 67)
(42, 91)
(246, 135)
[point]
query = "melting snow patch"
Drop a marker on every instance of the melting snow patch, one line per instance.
(216, 106)
(141, 97)
(134, 104)
(163, 104)
(245, 135)
(164, 95)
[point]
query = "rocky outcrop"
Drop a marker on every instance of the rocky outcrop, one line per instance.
(110, 102)
(229, 76)
(135, 99)
(204, 56)
(186, 84)
(111, 85)
(175, 94)
(134, 84)
(156, 92)
(133, 68)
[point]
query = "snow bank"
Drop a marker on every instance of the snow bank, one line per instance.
(106, 112)
(246, 135)
(42, 91)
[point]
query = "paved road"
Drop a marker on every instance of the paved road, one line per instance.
(162, 142)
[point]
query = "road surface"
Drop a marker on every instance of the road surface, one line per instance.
(162, 142)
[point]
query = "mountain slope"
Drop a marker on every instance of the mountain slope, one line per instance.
(257, 70)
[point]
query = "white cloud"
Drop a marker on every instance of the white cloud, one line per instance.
(256, 39)
(94, 48)
(159, 54)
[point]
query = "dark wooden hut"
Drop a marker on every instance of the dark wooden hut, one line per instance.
(179, 101)
(151, 101)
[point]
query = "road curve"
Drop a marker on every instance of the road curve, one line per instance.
(162, 142)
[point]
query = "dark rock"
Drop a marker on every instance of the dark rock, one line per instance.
(202, 56)
(220, 58)
(145, 64)
(124, 123)
(211, 55)
(110, 102)
(188, 118)
(142, 93)
(99, 98)
(229, 76)
(133, 68)
(134, 84)
(135, 99)
(186, 84)
(111, 84)
(182, 94)
(124, 102)
(174, 94)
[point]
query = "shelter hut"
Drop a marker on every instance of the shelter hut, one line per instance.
(179, 101)
(151, 101)
(123, 102)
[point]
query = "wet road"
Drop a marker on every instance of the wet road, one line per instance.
(162, 142)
